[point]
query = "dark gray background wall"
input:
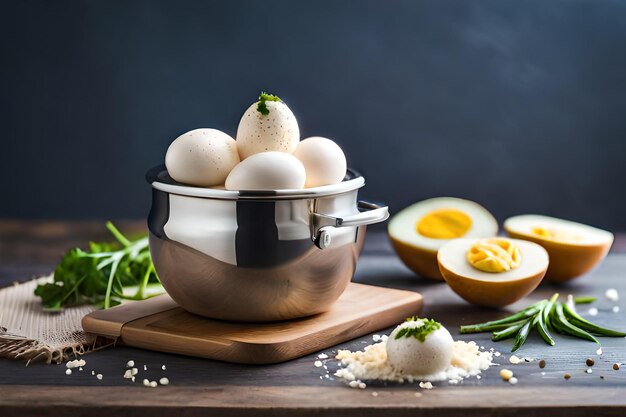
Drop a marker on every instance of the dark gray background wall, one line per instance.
(519, 105)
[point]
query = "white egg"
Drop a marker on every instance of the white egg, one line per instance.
(267, 171)
(201, 157)
(276, 131)
(414, 357)
(323, 160)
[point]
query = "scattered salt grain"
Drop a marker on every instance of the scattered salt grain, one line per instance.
(599, 351)
(134, 371)
(164, 381)
(513, 380)
(99, 376)
(377, 338)
(615, 309)
(75, 363)
(93, 372)
(543, 373)
(318, 364)
(322, 356)
(145, 368)
(371, 364)
(593, 311)
(163, 367)
(453, 381)
(345, 374)
(130, 364)
(612, 294)
(68, 372)
(426, 385)
(497, 354)
(589, 370)
(132, 379)
(514, 360)
(478, 377)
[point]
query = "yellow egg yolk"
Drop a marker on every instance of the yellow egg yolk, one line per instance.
(554, 234)
(444, 224)
(494, 255)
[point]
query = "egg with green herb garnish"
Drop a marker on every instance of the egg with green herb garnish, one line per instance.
(420, 347)
(201, 157)
(267, 125)
(323, 159)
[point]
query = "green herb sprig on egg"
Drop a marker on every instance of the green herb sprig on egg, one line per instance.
(421, 332)
(263, 98)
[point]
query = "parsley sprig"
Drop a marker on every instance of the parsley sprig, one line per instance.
(263, 99)
(421, 332)
(104, 275)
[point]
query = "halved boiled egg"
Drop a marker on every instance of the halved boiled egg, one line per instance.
(418, 231)
(492, 272)
(574, 248)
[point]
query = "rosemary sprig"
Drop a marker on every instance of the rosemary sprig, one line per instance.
(545, 316)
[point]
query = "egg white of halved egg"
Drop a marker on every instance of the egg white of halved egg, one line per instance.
(574, 248)
(419, 252)
(493, 289)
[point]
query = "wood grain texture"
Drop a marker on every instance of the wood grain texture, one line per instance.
(227, 401)
(158, 324)
(297, 387)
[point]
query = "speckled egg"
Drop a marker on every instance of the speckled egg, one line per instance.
(267, 171)
(414, 357)
(201, 157)
(276, 131)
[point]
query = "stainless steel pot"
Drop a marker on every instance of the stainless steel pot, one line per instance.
(257, 255)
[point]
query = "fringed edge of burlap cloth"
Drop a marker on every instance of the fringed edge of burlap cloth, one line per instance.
(18, 347)
(29, 333)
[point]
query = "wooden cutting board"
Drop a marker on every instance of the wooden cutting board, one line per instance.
(160, 324)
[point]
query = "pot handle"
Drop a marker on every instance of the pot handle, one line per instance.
(323, 224)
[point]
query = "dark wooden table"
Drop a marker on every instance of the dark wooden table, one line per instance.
(203, 387)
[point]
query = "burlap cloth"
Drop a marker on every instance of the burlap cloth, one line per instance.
(30, 333)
